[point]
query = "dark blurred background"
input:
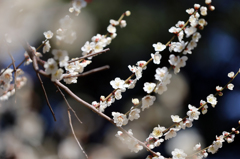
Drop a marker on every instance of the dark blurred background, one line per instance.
(216, 55)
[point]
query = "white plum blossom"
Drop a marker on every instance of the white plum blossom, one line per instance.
(173, 60)
(218, 88)
(50, 66)
(46, 47)
(161, 73)
(176, 118)
(204, 109)
(102, 106)
(70, 80)
(203, 11)
(212, 149)
(132, 84)
(134, 146)
(189, 31)
(156, 58)
(178, 154)
(7, 75)
(197, 147)
(141, 64)
(171, 133)
(118, 94)
(161, 88)
(231, 74)
(193, 112)
(118, 83)
(59, 55)
(114, 22)
(134, 114)
(159, 47)
(147, 101)
(149, 87)
(57, 75)
(119, 118)
(138, 73)
(123, 23)
(158, 132)
(88, 47)
(111, 29)
(230, 86)
(196, 36)
(212, 100)
(48, 34)
(190, 11)
(135, 101)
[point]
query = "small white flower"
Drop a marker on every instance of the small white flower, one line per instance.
(176, 118)
(159, 47)
(119, 118)
(203, 11)
(197, 147)
(134, 114)
(149, 87)
(147, 101)
(57, 75)
(204, 109)
(88, 47)
(189, 31)
(71, 79)
(118, 94)
(156, 57)
(212, 149)
(117, 83)
(138, 73)
(193, 112)
(208, 1)
(178, 154)
(190, 11)
(46, 47)
(123, 23)
(171, 133)
(141, 64)
(158, 132)
(48, 34)
(218, 88)
(161, 73)
(135, 101)
(59, 55)
(212, 100)
(230, 86)
(114, 22)
(50, 66)
(231, 74)
(128, 13)
(196, 36)
(111, 29)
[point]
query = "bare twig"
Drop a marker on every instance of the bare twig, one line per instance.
(69, 107)
(70, 123)
(45, 94)
(15, 73)
(89, 72)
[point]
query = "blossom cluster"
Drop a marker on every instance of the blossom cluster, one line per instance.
(132, 143)
(6, 88)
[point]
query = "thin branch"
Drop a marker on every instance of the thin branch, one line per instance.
(90, 55)
(88, 72)
(45, 94)
(70, 123)
(15, 73)
(69, 107)
(74, 96)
